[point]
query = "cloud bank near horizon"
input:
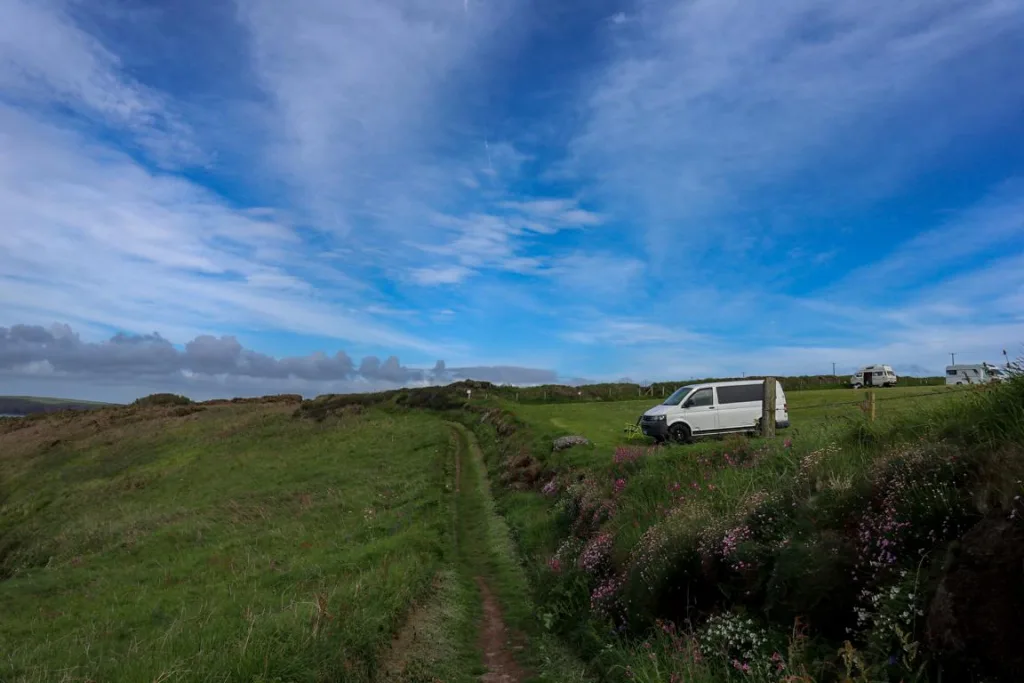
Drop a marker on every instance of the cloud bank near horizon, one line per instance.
(208, 366)
(56, 361)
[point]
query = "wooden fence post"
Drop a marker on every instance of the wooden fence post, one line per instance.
(768, 408)
(871, 406)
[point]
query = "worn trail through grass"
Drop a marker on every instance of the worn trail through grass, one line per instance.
(477, 623)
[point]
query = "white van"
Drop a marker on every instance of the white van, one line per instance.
(981, 373)
(714, 408)
(874, 376)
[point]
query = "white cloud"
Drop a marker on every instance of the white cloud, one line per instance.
(626, 332)
(997, 222)
(497, 241)
(360, 91)
(598, 276)
(45, 59)
(447, 275)
(553, 214)
(711, 109)
(91, 236)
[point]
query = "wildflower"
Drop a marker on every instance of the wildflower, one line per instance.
(627, 454)
(595, 552)
(555, 565)
(619, 485)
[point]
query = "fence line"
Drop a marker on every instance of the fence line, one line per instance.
(904, 397)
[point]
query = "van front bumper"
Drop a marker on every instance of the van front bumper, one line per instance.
(656, 429)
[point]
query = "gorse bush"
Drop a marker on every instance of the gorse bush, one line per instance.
(162, 400)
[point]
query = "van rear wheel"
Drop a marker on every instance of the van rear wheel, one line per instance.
(680, 433)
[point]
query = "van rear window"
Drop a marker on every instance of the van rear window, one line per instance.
(741, 393)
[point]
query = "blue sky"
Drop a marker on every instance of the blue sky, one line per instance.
(654, 189)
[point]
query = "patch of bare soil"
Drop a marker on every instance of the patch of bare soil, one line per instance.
(495, 643)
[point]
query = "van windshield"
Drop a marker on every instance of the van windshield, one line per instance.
(677, 396)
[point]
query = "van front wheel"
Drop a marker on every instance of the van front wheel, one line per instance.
(680, 433)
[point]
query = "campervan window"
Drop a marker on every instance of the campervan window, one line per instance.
(741, 393)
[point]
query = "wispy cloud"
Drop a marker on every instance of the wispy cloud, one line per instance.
(626, 332)
(506, 241)
(46, 60)
(99, 239)
(713, 114)
(360, 93)
(988, 228)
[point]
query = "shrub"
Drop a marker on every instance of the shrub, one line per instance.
(811, 579)
(162, 400)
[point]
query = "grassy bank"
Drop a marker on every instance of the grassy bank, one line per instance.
(228, 543)
(843, 550)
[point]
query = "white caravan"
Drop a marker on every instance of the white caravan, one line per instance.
(874, 376)
(979, 373)
(713, 408)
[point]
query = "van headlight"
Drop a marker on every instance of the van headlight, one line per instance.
(656, 418)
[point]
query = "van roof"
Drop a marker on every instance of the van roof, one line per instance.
(729, 383)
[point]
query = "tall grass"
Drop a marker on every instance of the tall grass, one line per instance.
(829, 527)
(235, 543)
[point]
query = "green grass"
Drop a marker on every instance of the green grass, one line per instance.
(237, 544)
(488, 550)
(603, 422)
(795, 502)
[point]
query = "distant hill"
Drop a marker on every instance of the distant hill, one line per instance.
(31, 405)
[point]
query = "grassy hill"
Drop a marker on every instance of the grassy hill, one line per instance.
(31, 405)
(355, 538)
(236, 542)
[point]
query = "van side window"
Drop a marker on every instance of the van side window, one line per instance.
(699, 399)
(951, 373)
(744, 393)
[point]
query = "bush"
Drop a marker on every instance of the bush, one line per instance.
(162, 400)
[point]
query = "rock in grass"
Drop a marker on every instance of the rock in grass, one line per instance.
(563, 442)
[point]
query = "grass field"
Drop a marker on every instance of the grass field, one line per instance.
(360, 542)
(231, 544)
(791, 558)
(603, 422)
(241, 543)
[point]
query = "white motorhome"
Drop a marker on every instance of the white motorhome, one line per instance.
(978, 373)
(874, 376)
(713, 408)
